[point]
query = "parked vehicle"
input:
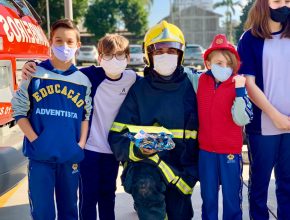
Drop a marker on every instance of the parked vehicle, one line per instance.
(87, 54)
(136, 57)
(193, 56)
(21, 39)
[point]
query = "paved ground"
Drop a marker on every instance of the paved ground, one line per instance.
(16, 207)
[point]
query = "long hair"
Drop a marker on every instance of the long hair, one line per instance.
(258, 21)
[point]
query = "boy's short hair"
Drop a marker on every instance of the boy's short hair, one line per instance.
(65, 23)
(231, 58)
(111, 43)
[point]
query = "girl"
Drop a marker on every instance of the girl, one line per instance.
(265, 54)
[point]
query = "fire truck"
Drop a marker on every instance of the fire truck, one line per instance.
(21, 39)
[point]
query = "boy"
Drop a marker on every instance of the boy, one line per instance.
(110, 84)
(223, 108)
(52, 109)
(160, 183)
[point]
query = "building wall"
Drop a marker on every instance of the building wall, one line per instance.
(198, 25)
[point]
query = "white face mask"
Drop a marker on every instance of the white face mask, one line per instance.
(165, 64)
(114, 67)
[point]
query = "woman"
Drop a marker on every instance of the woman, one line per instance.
(265, 56)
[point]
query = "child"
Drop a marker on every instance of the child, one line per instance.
(265, 54)
(223, 108)
(52, 108)
(161, 183)
(110, 84)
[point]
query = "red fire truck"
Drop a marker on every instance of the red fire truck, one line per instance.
(21, 39)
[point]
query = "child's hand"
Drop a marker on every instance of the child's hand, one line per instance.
(147, 151)
(28, 69)
(240, 81)
(82, 145)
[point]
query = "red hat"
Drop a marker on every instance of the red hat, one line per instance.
(220, 42)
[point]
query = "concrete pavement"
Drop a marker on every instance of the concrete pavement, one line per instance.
(17, 207)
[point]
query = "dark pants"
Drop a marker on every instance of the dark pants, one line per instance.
(98, 185)
(215, 170)
(46, 178)
(152, 198)
(266, 153)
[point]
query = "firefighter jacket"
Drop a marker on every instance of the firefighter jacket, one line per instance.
(170, 103)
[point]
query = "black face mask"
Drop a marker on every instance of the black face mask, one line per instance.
(280, 14)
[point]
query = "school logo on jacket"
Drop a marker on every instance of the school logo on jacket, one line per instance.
(123, 92)
(75, 168)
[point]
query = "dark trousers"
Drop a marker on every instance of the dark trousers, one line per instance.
(47, 179)
(97, 186)
(266, 153)
(225, 170)
(152, 198)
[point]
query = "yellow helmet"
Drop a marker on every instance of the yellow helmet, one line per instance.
(163, 35)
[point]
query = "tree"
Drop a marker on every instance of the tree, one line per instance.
(107, 16)
(230, 11)
(243, 18)
(56, 8)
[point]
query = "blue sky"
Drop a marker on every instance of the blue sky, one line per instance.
(160, 9)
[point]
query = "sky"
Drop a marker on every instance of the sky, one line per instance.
(161, 8)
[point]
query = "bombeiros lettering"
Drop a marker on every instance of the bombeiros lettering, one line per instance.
(22, 31)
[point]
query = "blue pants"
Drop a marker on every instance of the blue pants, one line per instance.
(46, 178)
(98, 185)
(225, 170)
(266, 153)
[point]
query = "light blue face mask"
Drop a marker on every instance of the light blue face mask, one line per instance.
(221, 73)
(63, 53)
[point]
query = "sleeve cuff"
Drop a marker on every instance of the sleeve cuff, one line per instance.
(241, 92)
(19, 117)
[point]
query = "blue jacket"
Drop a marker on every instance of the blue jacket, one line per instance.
(55, 103)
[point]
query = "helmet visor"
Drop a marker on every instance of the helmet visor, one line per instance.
(157, 46)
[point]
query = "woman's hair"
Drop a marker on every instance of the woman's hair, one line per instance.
(231, 58)
(258, 20)
(111, 43)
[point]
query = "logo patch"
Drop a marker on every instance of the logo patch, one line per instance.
(75, 168)
(123, 92)
(231, 158)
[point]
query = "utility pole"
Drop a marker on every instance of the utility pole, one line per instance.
(48, 18)
(68, 9)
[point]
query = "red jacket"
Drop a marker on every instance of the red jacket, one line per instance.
(217, 131)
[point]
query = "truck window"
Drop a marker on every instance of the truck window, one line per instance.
(8, 4)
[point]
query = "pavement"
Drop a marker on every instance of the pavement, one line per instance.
(15, 206)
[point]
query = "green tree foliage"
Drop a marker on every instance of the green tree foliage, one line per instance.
(56, 8)
(230, 11)
(107, 16)
(243, 18)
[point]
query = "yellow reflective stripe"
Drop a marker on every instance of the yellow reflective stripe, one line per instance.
(185, 189)
(171, 177)
(118, 127)
(155, 158)
(190, 134)
(179, 133)
(131, 153)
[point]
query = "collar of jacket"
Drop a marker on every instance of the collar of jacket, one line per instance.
(163, 83)
(47, 65)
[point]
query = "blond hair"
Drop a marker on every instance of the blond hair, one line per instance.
(111, 43)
